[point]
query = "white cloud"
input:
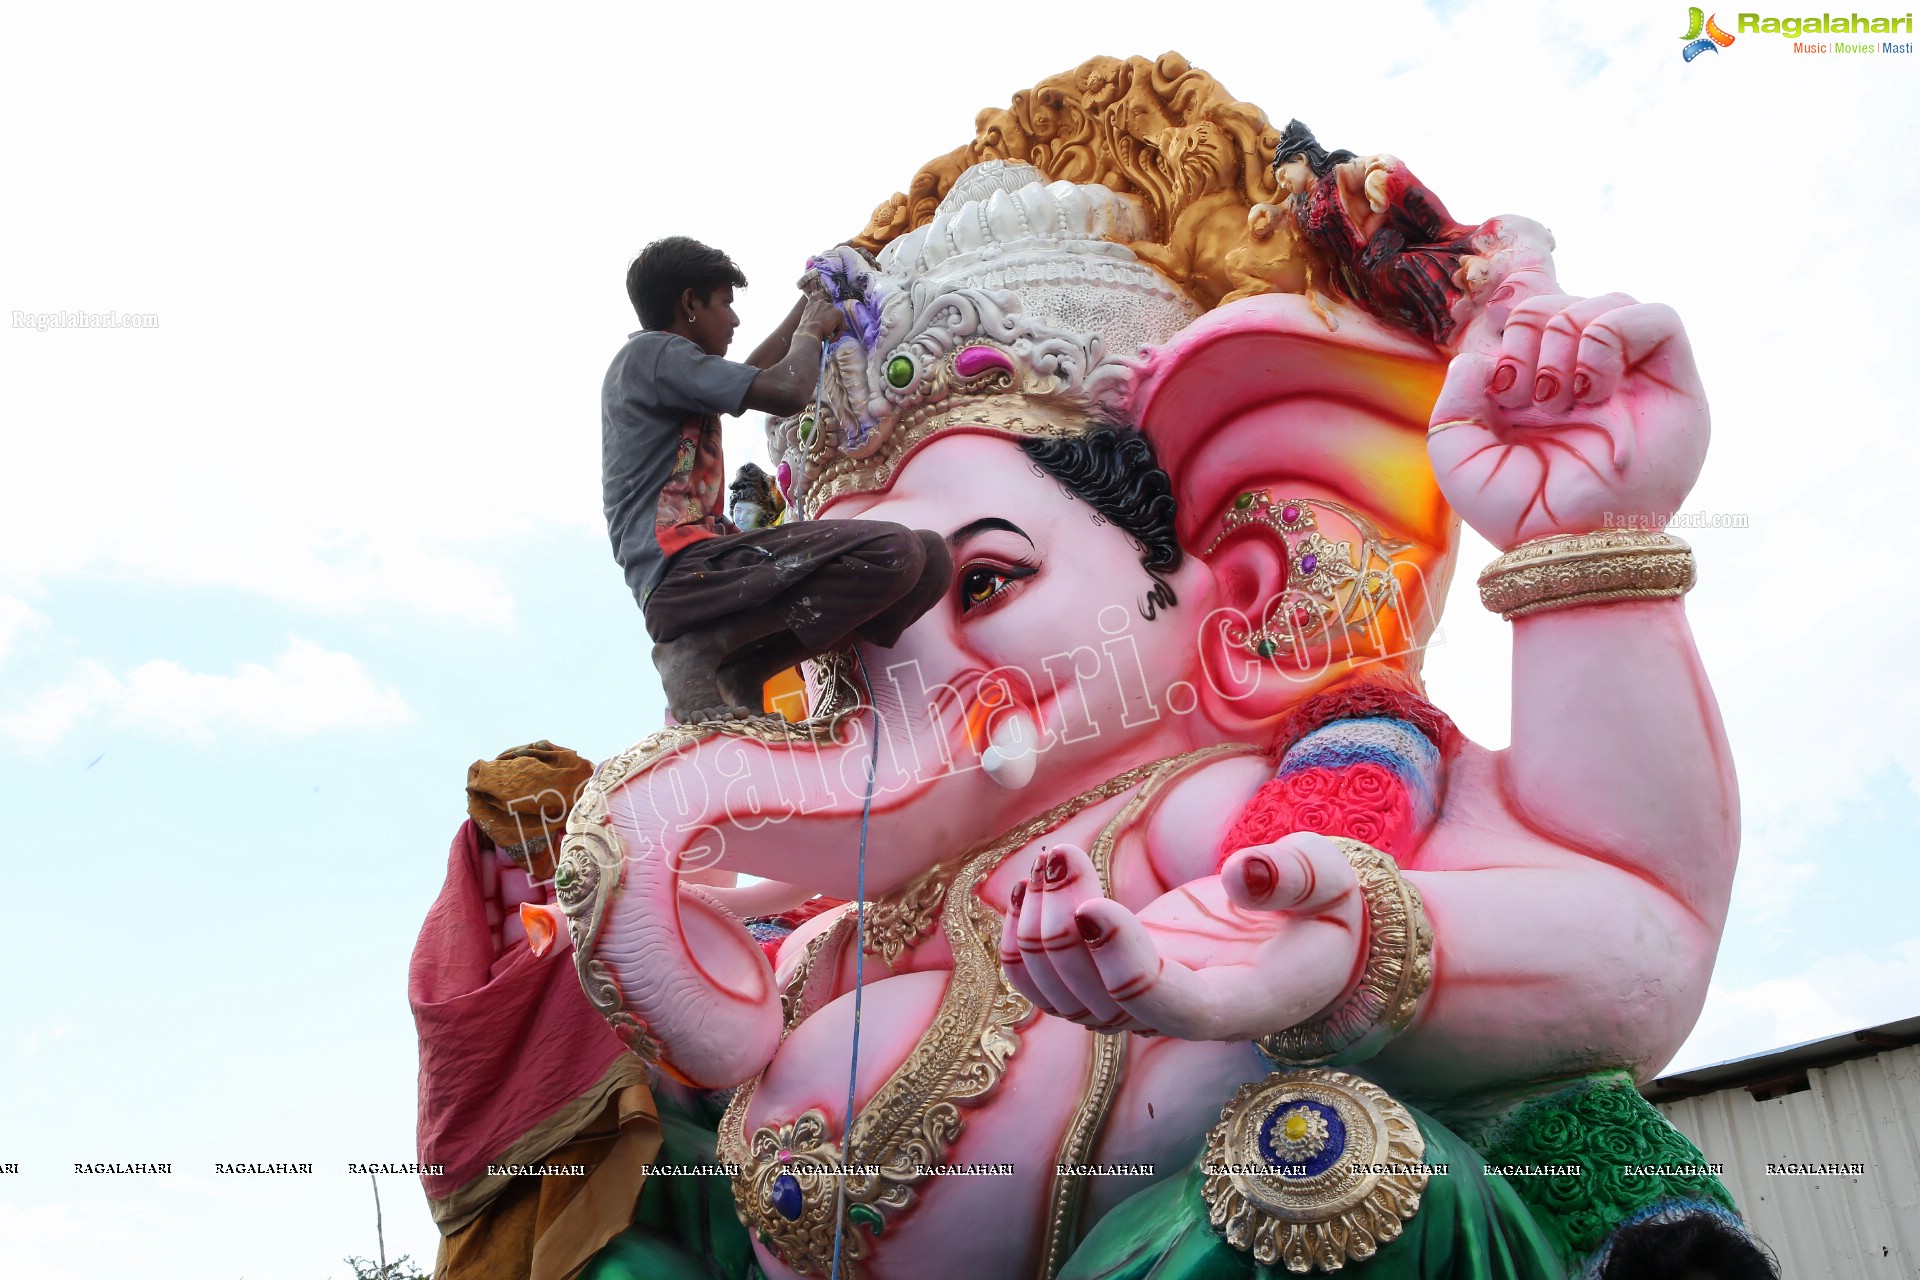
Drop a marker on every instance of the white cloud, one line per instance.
(307, 689)
(48, 717)
(16, 618)
(1835, 994)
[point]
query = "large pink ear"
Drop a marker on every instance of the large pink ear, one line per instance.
(1239, 689)
(1262, 395)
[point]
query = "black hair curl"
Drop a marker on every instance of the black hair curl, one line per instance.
(1114, 469)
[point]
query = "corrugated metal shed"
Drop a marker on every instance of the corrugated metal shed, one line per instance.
(1762, 1116)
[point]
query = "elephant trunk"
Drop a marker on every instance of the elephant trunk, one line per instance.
(669, 965)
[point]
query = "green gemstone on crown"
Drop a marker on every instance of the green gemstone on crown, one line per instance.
(899, 372)
(806, 431)
(868, 1216)
(1243, 502)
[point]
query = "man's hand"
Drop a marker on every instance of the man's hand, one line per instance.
(820, 319)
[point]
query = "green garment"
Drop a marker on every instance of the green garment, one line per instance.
(1470, 1226)
(683, 1228)
(1632, 1161)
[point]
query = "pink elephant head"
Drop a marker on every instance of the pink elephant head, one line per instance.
(1170, 530)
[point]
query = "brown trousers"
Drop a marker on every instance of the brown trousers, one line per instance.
(776, 597)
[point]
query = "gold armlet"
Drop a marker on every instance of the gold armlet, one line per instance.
(1398, 967)
(1586, 568)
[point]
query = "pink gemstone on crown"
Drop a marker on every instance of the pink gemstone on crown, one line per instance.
(971, 362)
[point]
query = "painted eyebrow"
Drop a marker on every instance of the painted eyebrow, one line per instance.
(981, 526)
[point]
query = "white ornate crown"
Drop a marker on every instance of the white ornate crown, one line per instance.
(1018, 308)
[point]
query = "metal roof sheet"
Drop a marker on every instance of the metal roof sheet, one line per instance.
(1863, 1113)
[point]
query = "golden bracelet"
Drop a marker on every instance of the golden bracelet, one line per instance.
(1398, 967)
(1568, 569)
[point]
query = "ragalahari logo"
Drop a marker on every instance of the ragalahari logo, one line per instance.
(1712, 42)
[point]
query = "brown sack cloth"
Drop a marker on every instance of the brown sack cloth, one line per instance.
(522, 796)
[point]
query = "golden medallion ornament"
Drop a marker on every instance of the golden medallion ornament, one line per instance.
(1313, 1169)
(790, 1191)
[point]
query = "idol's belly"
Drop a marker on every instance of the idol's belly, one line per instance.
(987, 1212)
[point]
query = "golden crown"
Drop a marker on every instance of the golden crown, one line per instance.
(999, 300)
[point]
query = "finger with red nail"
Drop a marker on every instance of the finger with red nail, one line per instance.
(1514, 377)
(1012, 963)
(1557, 364)
(1062, 877)
(1064, 935)
(1302, 873)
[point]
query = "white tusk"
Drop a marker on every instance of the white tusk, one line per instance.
(1013, 750)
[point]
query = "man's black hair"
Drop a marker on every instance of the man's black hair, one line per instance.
(1298, 140)
(1113, 468)
(1672, 1248)
(667, 268)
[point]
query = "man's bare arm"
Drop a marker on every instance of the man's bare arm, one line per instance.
(787, 387)
(774, 345)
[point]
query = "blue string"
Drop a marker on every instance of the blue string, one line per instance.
(859, 972)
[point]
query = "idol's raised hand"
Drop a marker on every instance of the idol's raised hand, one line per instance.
(1589, 414)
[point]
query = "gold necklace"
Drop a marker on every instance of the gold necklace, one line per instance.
(897, 922)
(792, 1180)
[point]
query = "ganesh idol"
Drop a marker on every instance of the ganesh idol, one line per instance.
(1137, 914)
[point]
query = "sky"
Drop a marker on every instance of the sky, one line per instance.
(277, 566)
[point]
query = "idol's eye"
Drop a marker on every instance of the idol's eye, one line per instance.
(983, 583)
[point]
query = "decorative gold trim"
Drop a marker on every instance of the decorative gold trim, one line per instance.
(832, 474)
(1399, 965)
(1282, 1214)
(1564, 570)
(913, 1119)
(1109, 1050)
(897, 922)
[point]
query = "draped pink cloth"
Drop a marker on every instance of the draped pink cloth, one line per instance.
(503, 1057)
